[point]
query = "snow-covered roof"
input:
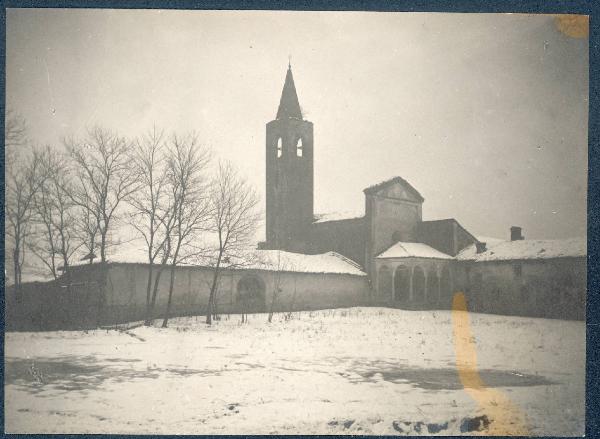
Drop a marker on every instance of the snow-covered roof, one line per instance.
(412, 250)
(251, 259)
(278, 260)
(338, 216)
(526, 249)
(488, 239)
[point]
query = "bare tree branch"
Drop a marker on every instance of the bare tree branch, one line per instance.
(187, 164)
(23, 178)
(233, 221)
(55, 216)
(101, 165)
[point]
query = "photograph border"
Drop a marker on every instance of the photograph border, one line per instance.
(581, 7)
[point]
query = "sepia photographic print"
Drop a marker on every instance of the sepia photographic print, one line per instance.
(295, 222)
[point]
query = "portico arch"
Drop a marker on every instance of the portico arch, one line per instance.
(384, 283)
(402, 284)
(418, 282)
(433, 287)
(446, 286)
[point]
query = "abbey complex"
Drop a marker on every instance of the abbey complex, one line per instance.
(388, 256)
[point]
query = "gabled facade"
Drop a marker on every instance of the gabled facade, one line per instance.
(393, 212)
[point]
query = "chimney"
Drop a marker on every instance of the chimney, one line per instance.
(480, 246)
(515, 234)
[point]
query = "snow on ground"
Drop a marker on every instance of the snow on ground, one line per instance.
(352, 371)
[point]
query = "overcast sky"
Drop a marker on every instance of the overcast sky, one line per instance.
(486, 115)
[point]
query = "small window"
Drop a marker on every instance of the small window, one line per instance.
(279, 147)
(299, 151)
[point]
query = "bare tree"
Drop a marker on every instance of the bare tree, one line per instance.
(187, 175)
(87, 228)
(103, 179)
(23, 178)
(233, 221)
(15, 132)
(152, 204)
(54, 216)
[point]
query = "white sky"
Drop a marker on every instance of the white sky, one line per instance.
(486, 115)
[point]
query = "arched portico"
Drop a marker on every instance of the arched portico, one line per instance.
(402, 284)
(413, 282)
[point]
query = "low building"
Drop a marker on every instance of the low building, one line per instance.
(541, 278)
(98, 294)
(538, 278)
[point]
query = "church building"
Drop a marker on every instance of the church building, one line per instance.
(386, 256)
(410, 262)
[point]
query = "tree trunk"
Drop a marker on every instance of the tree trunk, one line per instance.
(102, 295)
(103, 247)
(150, 310)
(148, 290)
(16, 270)
(168, 311)
(270, 319)
(211, 297)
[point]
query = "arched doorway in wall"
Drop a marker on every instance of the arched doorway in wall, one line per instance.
(418, 281)
(433, 287)
(250, 296)
(401, 284)
(384, 283)
(445, 287)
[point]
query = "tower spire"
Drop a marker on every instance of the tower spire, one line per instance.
(289, 107)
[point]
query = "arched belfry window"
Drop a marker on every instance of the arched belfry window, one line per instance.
(299, 151)
(279, 147)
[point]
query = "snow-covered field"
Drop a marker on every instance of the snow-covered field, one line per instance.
(346, 371)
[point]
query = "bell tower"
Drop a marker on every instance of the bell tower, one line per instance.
(289, 173)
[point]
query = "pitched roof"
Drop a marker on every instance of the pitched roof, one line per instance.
(379, 186)
(135, 252)
(412, 250)
(526, 249)
(289, 107)
(279, 260)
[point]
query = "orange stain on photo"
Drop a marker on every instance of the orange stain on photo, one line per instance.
(506, 418)
(574, 26)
